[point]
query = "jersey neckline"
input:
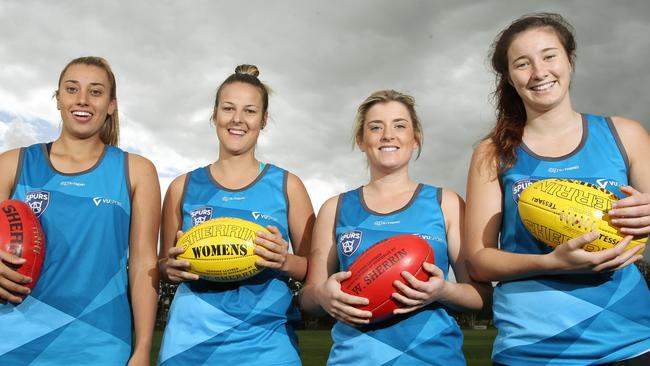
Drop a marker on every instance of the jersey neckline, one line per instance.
(583, 141)
(216, 183)
(416, 193)
(93, 167)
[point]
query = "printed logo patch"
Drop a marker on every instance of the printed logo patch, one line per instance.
(106, 201)
(612, 186)
(233, 198)
(350, 241)
(428, 237)
(563, 169)
(201, 215)
(605, 183)
(258, 215)
(520, 185)
(38, 201)
(72, 184)
(382, 223)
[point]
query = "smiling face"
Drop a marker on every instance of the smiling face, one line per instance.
(539, 69)
(239, 118)
(84, 99)
(388, 137)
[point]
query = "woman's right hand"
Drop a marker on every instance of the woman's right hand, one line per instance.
(570, 257)
(340, 305)
(176, 270)
(11, 282)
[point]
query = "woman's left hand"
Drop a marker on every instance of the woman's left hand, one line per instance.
(632, 213)
(416, 293)
(272, 248)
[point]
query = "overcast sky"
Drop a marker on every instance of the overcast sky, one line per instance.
(321, 59)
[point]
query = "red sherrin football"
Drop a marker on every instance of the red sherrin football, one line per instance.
(374, 271)
(21, 235)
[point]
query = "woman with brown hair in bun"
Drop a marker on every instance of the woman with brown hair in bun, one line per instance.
(248, 322)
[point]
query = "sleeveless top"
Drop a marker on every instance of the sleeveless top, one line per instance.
(248, 322)
(569, 319)
(78, 312)
(427, 336)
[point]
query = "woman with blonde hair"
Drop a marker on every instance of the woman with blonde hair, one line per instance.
(99, 207)
(421, 331)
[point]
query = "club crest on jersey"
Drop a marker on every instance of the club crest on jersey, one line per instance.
(519, 186)
(350, 241)
(38, 201)
(201, 215)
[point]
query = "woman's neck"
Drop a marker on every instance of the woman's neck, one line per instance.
(555, 121)
(235, 172)
(75, 155)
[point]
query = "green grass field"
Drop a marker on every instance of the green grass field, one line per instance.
(315, 346)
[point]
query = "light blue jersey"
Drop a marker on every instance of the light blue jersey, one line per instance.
(569, 319)
(249, 322)
(428, 336)
(78, 313)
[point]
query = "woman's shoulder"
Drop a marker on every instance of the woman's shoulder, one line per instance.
(630, 131)
(627, 125)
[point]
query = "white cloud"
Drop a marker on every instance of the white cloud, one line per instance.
(16, 132)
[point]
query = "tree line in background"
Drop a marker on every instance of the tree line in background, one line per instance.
(468, 319)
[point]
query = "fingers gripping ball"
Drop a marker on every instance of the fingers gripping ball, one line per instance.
(374, 272)
(556, 210)
(222, 249)
(21, 234)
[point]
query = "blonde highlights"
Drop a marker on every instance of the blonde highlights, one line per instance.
(385, 96)
(110, 130)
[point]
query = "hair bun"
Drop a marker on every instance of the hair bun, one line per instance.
(247, 70)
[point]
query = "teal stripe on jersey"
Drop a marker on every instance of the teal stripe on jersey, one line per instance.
(429, 336)
(238, 323)
(78, 312)
(569, 319)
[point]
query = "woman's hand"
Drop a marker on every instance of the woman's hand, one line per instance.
(571, 258)
(176, 270)
(632, 213)
(11, 282)
(272, 248)
(338, 304)
(416, 293)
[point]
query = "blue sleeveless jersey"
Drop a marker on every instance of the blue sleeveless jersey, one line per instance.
(428, 336)
(569, 319)
(249, 322)
(78, 312)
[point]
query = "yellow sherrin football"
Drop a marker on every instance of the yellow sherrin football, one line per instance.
(556, 210)
(221, 249)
